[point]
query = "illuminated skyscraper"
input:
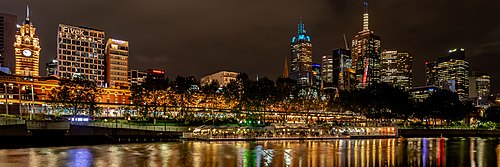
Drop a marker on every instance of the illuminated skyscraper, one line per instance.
(396, 68)
(344, 74)
(366, 54)
(80, 51)
(479, 87)
(301, 57)
(337, 72)
(327, 71)
(27, 49)
(431, 73)
(483, 84)
(117, 63)
(316, 75)
(7, 37)
(452, 73)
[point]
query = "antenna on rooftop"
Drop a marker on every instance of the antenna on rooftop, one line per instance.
(345, 42)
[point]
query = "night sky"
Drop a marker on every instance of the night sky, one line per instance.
(198, 37)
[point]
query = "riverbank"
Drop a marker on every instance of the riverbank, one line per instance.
(286, 138)
(409, 133)
(19, 136)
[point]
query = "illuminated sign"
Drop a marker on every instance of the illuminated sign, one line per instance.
(158, 71)
(118, 41)
(74, 31)
(365, 72)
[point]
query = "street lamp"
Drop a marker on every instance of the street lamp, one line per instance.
(20, 102)
(32, 99)
(6, 99)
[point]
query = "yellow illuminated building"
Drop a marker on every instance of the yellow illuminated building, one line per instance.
(27, 49)
(117, 64)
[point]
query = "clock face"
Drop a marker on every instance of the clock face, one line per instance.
(26, 52)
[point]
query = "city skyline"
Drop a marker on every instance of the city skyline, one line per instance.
(188, 56)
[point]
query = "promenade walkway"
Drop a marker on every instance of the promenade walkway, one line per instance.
(131, 126)
(4, 122)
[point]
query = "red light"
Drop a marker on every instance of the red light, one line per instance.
(158, 71)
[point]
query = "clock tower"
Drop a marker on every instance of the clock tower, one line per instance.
(27, 49)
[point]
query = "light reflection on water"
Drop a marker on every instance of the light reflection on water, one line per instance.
(474, 152)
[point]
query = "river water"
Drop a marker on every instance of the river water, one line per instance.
(366, 152)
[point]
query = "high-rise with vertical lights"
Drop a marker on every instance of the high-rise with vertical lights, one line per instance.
(479, 87)
(27, 49)
(337, 72)
(366, 54)
(431, 73)
(327, 71)
(452, 73)
(483, 83)
(344, 74)
(81, 52)
(301, 57)
(7, 37)
(117, 64)
(396, 68)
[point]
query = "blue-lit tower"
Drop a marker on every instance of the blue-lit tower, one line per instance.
(301, 57)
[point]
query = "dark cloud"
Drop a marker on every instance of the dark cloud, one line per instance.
(193, 37)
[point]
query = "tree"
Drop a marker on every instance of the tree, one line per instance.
(150, 95)
(76, 95)
(210, 92)
(389, 102)
(377, 101)
(492, 114)
(182, 87)
(287, 92)
(234, 92)
(445, 105)
(258, 95)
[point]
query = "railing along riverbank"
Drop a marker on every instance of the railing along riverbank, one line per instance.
(132, 126)
(4, 122)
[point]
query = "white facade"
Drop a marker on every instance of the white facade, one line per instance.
(222, 77)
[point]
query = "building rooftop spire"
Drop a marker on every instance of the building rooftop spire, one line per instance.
(365, 16)
(28, 12)
(301, 33)
(302, 29)
(285, 69)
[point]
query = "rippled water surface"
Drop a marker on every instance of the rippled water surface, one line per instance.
(369, 152)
